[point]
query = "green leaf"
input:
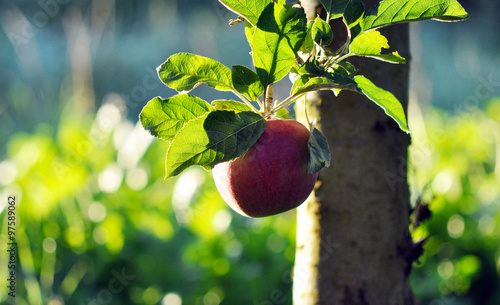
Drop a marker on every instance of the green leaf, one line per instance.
(370, 44)
(215, 137)
(354, 12)
(308, 44)
(248, 9)
(163, 118)
(311, 67)
(277, 38)
(386, 100)
(321, 32)
(393, 58)
(351, 10)
(184, 72)
(390, 12)
(247, 82)
(284, 114)
(307, 83)
(318, 151)
(249, 30)
(345, 68)
(230, 105)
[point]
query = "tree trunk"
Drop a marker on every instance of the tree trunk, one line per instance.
(353, 243)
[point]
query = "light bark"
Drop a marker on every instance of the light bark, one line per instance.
(353, 243)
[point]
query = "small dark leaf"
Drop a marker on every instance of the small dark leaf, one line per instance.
(321, 32)
(319, 151)
(345, 68)
(330, 81)
(351, 10)
(421, 214)
(247, 82)
(312, 68)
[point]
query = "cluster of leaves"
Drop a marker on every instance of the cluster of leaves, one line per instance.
(282, 42)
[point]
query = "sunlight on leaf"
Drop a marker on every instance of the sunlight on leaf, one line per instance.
(386, 100)
(230, 105)
(184, 72)
(248, 9)
(163, 118)
(278, 36)
(390, 12)
(370, 44)
(215, 137)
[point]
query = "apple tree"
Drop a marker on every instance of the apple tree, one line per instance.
(353, 242)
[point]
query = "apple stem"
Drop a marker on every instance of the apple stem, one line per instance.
(268, 100)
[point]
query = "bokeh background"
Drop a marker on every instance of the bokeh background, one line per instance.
(96, 222)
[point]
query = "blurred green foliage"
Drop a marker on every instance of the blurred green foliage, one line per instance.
(97, 222)
(456, 168)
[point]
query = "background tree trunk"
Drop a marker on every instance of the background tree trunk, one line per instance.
(353, 241)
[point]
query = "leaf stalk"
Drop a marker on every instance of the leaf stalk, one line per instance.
(242, 97)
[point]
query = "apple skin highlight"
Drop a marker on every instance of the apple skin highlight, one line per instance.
(272, 176)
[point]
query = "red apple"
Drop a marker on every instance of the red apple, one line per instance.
(272, 176)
